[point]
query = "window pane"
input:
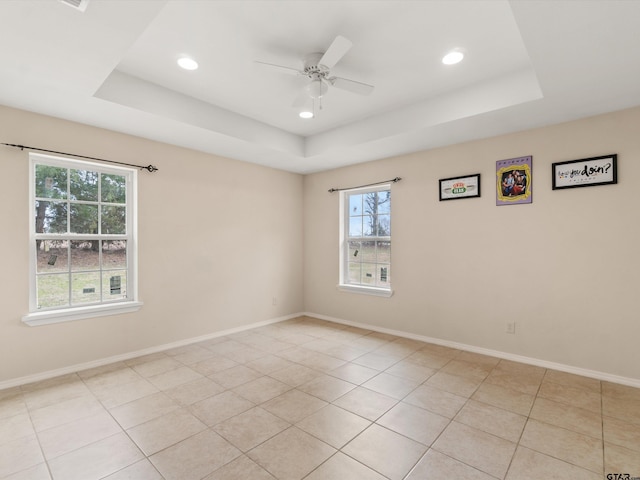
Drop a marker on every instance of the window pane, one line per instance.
(83, 185)
(355, 205)
(114, 254)
(354, 272)
(368, 252)
(52, 290)
(384, 225)
(368, 274)
(84, 218)
(85, 288)
(368, 225)
(377, 202)
(377, 225)
(354, 251)
(85, 255)
(114, 188)
(114, 285)
(114, 220)
(384, 202)
(384, 252)
(355, 227)
(52, 256)
(51, 217)
(370, 202)
(51, 182)
(384, 276)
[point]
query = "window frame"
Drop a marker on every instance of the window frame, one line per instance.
(344, 284)
(130, 303)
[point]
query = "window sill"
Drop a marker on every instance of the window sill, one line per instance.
(70, 314)
(376, 292)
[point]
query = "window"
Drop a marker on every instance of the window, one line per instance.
(82, 237)
(366, 241)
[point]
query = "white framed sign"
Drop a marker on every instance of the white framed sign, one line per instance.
(460, 187)
(586, 172)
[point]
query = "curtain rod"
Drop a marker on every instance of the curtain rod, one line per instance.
(393, 180)
(149, 168)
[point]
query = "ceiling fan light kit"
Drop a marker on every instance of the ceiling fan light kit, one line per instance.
(317, 88)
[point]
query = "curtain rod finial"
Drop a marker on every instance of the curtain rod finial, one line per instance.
(150, 168)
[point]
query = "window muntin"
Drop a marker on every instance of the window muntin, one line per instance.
(82, 235)
(366, 245)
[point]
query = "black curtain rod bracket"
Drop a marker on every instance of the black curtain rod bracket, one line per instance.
(149, 168)
(393, 180)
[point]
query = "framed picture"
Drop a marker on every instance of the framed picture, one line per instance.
(460, 187)
(586, 172)
(513, 181)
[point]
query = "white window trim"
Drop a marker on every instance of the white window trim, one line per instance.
(364, 290)
(79, 313)
(344, 217)
(37, 317)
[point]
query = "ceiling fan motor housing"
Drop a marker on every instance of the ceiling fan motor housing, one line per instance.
(311, 67)
(318, 75)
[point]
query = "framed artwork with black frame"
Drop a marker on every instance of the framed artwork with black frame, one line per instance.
(586, 172)
(467, 186)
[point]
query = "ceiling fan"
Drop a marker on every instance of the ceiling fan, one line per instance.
(317, 67)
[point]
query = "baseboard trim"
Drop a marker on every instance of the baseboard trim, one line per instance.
(631, 382)
(138, 353)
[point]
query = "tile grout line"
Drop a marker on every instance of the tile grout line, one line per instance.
(430, 447)
(453, 419)
(35, 432)
(108, 411)
(525, 423)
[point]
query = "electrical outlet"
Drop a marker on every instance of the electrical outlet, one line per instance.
(274, 301)
(511, 327)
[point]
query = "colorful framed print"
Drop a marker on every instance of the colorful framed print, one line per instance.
(586, 172)
(513, 181)
(460, 187)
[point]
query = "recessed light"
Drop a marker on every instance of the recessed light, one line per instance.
(306, 115)
(187, 63)
(453, 57)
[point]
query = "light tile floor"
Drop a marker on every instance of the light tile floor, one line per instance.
(311, 399)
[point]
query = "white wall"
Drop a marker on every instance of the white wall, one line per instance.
(218, 239)
(565, 268)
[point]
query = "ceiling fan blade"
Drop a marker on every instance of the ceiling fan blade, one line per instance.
(336, 51)
(351, 85)
(280, 68)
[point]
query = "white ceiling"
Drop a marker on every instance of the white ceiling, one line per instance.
(527, 64)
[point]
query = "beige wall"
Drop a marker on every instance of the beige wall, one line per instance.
(218, 239)
(565, 268)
